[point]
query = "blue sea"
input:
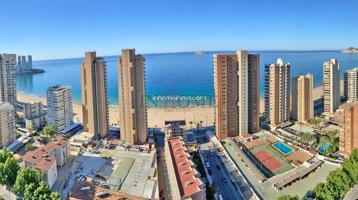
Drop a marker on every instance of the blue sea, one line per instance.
(175, 74)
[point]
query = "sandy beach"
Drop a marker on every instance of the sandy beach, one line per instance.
(157, 116)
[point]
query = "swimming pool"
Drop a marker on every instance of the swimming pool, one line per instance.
(323, 149)
(283, 148)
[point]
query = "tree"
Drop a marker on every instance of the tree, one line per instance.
(4, 155)
(288, 197)
(42, 192)
(350, 166)
(49, 131)
(8, 171)
(25, 177)
(338, 183)
(55, 196)
(322, 192)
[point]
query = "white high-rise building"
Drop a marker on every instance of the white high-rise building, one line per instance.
(59, 102)
(7, 124)
(331, 86)
(351, 85)
(8, 78)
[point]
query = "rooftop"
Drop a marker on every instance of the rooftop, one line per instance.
(187, 178)
(41, 157)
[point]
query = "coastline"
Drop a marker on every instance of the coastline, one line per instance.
(157, 116)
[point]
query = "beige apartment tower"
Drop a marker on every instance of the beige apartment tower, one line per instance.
(302, 99)
(94, 95)
(7, 124)
(236, 82)
(331, 86)
(348, 138)
(132, 103)
(351, 85)
(277, 92)
(8, 78)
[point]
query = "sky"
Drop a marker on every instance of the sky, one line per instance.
(50, 29)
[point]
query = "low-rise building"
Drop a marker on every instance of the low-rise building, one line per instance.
(47, 158)
(176, 128)
(187, 177)
(33, 114)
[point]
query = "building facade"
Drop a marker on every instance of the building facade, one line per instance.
(94, 95)
(351, 85)
(46, 159)
(7, 124)
(277, 92)
(185, 171)
(24, 66)
(348, 138)
(34, 114)
(132, 102)
(236, 83)
(8, 78)
(302, 99)
(59, 102)
(331, 86)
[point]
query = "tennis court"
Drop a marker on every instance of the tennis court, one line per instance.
(268, 160)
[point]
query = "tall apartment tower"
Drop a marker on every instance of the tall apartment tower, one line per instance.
(132, 103)
(7, 124)
(351, 85)
(59, 102)
(236, 82)
(348, 138)
(277, 92)
(331, 86)
(8, 78)
(302, 99)
(94, 95)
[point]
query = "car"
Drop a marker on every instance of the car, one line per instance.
(207, 165)
(218, 167)
(209, 171)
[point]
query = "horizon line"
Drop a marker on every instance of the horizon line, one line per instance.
(192, 51)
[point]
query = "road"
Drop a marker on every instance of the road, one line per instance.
(218, 173)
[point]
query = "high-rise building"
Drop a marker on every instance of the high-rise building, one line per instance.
(59, 102)
(236, 82)
(132, 103)
(351, 85)
(94, 95)
(24, 66)
(277, 92)
(302, 99)
(8, 78)
(348, 138)
(7, 124)
(331, 86)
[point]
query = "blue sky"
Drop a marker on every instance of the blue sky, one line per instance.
(60, 29)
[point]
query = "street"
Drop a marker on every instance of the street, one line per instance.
(219, 175)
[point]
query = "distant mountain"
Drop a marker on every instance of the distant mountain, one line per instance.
(350, 50)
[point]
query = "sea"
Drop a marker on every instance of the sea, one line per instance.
(182, 79)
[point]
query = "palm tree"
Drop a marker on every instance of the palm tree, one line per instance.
(191, 124)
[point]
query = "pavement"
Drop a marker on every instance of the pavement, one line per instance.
(5, 194)
(217, 172)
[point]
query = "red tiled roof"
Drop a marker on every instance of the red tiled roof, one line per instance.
(188, 183)
(41, 157)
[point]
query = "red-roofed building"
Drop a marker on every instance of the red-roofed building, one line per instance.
(190, 185)
(47, 158)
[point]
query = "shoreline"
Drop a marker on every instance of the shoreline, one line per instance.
(157, 116)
